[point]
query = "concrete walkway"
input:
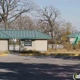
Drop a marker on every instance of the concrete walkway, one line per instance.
(15, 67)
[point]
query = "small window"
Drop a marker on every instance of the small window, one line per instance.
(27, 43)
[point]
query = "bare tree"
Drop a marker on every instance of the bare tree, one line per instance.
(11, 9)
(42, 26)
(50, 15)
(22, 23)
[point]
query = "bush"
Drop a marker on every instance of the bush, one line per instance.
(77, 46)
(68, 46)
(34, 52)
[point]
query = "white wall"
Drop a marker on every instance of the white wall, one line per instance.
(40, 45)
(3, 45)
(72, 40)
(33, 47)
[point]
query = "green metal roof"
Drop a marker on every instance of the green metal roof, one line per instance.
(74, 35)
(23, 34)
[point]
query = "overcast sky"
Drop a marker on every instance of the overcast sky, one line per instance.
(69, 9)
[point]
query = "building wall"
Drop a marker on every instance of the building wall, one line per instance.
(33, 47)
(40, 45)
(3, 45)
(72, 40)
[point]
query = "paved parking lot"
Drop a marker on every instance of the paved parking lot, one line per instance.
(15, 67)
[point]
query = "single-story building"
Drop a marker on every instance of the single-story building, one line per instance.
(29, 39)
(73, 36)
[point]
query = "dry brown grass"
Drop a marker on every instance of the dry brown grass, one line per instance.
(57, 52)
(4, 53)
(64, 51)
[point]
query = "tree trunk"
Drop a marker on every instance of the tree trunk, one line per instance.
(55, 43)
(52, 39)
(6, 23)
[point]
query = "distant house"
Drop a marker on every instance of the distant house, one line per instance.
(72, 37)
(30, 39)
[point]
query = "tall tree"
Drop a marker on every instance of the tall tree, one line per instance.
(50, 15)
(11, 9)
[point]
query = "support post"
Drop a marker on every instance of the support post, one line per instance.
(13, 46)
(19, 44)
(8, 44)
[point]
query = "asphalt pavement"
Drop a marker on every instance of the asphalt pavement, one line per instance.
(16, 67)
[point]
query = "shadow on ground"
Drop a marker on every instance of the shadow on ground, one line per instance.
(19, 71)
(67, 57)
(64, 57)
(26, 52)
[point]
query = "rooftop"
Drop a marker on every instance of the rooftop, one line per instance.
(23, 34)
(73, 35)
